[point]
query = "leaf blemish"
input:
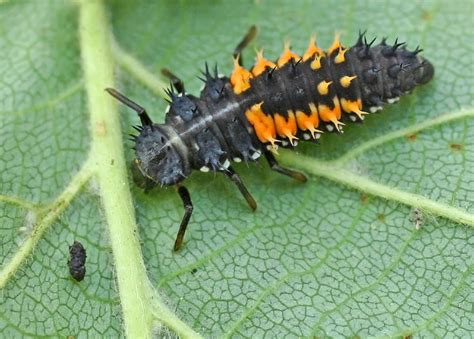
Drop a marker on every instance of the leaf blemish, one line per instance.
(364, 198)
(101, 128)
(456, 147)
(426, 15)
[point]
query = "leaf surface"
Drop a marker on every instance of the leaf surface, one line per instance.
(327, 258)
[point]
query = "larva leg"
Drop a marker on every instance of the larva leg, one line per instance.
(188, 210)
(177, 83)
(139, 179)
(240, 185)
(144, 118)
(252, 32)
(286, 171)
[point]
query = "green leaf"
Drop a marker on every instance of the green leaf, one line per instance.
(338, 256)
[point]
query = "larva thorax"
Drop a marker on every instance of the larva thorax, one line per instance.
(203, 133)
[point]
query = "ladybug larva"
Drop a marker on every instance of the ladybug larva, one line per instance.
(274, 104)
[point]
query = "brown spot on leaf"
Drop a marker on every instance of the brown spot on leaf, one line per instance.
(456, 147)
(364, 198)
(411, 137)
(426, 15)
(381, 217)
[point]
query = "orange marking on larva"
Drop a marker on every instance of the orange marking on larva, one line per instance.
(308, 122)
(353, 106)
(262, 64)
(263, 124)
(240, 78)
(287, 55)
(312, 50)
(331, 115)
(316, 63)
(323, 87)
(340, 58)
(345, 81)
(286, 127)
(335, 45)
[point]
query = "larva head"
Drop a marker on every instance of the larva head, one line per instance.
(411, 69)
(425, 72)
(157, 157)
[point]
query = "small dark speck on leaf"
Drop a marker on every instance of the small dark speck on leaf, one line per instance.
(194, 270)
(77, 261)
(381, 217)
(411, 137)
(364, 198)
(426, 15)
(112, 162)
(456, 147)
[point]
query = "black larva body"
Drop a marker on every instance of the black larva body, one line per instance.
(206, 133)
(77, 261)
(249, 114)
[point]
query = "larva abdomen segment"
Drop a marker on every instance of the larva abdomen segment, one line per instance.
(321, 89)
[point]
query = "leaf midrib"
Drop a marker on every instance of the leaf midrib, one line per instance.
(141, 305)
(156, 85)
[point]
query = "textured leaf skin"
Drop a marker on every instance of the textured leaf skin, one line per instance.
(315, 259)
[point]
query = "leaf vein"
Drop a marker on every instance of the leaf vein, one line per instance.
(141, 305)
(235, 241)
(348, 178)
(51, 102)
(436, 315)
(380, 277)
(440, 120)
(46, 217)
(137, 70)
(18, 201)
(274, 286)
